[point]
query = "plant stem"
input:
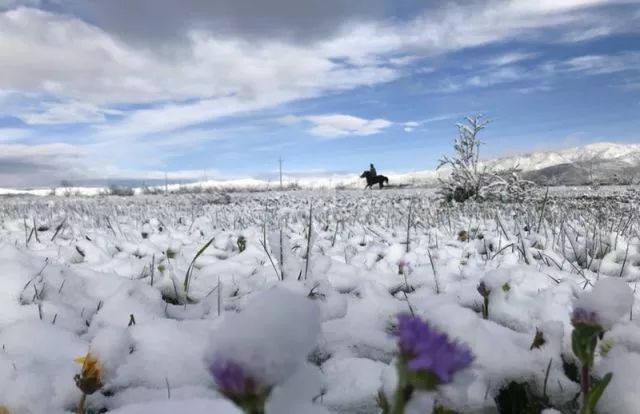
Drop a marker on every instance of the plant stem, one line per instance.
(402, 396)
(81, 404)
(585, 384)
(306, 265)
(485, 308)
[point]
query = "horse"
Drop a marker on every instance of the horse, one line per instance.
(371, 180)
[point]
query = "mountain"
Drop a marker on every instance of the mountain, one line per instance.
(605, 151)
(606, 163)
(601, 162)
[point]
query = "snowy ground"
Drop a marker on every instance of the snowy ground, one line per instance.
(108, 275)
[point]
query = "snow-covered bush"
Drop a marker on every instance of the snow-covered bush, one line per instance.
(120, 191)
(596, 312)
(469, 178)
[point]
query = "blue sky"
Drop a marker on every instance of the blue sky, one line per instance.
(106, 90)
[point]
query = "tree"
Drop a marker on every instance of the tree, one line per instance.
(466, 176)
(471, 179)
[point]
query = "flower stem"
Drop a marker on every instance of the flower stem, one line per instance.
(81, 404)
(585, 385)
(403, 395)
(485, 308)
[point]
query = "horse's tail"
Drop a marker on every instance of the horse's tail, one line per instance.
(386, 180)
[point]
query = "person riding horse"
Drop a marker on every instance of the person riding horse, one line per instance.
(373, 177)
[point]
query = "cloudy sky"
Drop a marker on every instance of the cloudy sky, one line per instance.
(223, 88)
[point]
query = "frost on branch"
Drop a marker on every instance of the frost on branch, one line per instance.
(469, 178)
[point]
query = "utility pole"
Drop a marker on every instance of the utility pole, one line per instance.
(280, 163)
(166, 184)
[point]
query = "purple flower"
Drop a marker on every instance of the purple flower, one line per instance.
(581, 316)
(231, 378)
(425, 349)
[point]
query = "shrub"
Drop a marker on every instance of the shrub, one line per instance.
(469, 178)
(120, 191)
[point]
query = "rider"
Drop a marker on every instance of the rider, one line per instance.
(372, 171)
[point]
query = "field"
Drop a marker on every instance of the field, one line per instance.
(303, 289)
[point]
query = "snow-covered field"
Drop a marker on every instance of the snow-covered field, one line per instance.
(302, 291)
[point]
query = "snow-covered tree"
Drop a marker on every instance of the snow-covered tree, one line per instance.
(469, 178)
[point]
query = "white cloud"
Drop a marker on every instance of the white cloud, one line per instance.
(67, 113)
(510, 58)
(62, 56)
(412, 125)
(502, 75)
(340, 125)
(87, 71)
(116, 173)
(603, 64)
(534, 89)
(22, 165)
(289, 120)
(540, 74)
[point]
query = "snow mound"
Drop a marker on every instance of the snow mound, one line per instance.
(271, 337)
(610, 299)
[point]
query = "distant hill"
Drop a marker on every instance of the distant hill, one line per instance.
(604, 163)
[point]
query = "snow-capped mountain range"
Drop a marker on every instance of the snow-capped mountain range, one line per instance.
(601, 162)
(604, 162)
(620, 154)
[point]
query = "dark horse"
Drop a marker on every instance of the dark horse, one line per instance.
(378, 179)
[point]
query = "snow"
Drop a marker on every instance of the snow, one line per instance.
(272, 337)
(621, 394)
(191, 406)
(353, 384)
(610, 299)
(324, 341)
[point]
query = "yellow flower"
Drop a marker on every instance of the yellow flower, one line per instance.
(89, 380)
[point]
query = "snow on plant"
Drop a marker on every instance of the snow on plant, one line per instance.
(427, 358)
(403, 264)
(469, 179)
(246, 392)
(594, 313)
(547, 252)
(242, 244)
(485, 292)
(108, 350)
(262, 346)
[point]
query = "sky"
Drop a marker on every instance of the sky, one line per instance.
(218, 89)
